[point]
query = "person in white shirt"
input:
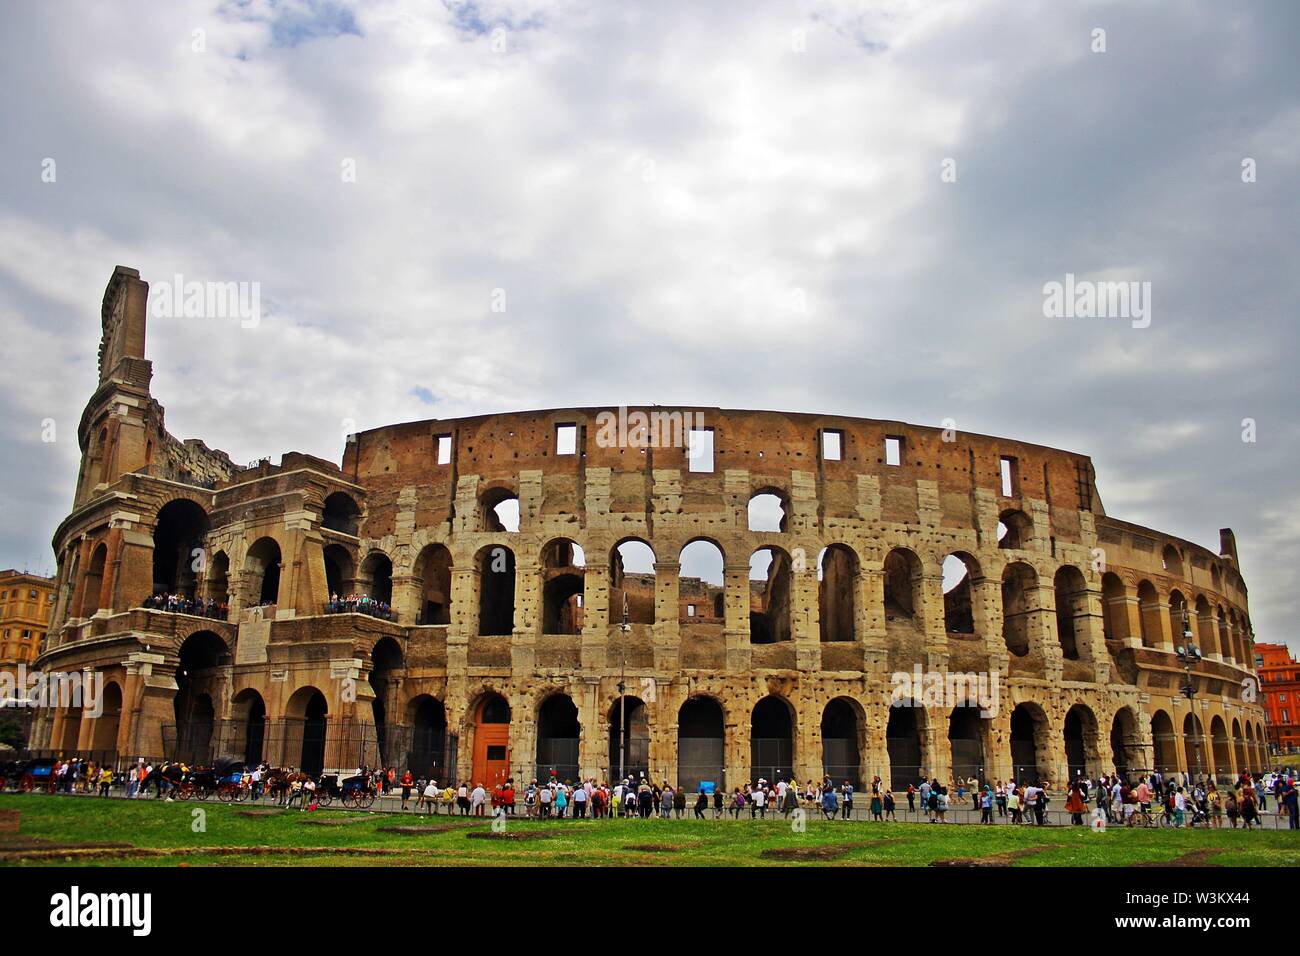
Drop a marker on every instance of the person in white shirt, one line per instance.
(477, 801)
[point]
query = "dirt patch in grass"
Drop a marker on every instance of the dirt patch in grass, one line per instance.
(260, 813)
(660, 847)
(334, 821)
(511, 835)
(996, 859)
(1194, 858)
(83, 852)
(416, 829)
(826, 851)
(26, 844)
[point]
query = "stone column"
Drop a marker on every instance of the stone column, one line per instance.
(806, 623)
(737, 729)
(986, 608)
(1042, 629)
(871, 616)
(666, 636)
(1165, 637)
(930, 614)
(1090, 637)
(736, 583)
(1131, 610)
(408, 598)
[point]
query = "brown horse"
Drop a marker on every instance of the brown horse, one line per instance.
(276, 782)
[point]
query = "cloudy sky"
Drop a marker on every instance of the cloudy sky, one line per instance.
(716, 204)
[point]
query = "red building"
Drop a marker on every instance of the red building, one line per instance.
(1279, 677)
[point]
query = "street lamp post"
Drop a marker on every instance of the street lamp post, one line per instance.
(622, 691)
(1190, 655)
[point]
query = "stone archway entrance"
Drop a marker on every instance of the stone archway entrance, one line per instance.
(491, 760)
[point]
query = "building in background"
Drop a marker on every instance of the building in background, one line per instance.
(26, 606)
(1279, 679)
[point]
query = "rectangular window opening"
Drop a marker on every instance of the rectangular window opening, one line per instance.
(893, 450)
(444, 449)
(1010, 477)
(832, 445)
(566, 439)
(699, 450)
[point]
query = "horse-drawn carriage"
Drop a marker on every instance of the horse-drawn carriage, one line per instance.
(228, 774)
(355, 792)
(35, 774)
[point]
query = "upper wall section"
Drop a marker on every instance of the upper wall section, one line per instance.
(769, 446)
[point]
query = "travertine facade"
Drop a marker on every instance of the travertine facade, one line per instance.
(1076, 612)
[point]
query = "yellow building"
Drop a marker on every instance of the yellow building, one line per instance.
(26, 606)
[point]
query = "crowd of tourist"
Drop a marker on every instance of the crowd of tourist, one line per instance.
(1183, 801)
(180, 604)
(359, 604)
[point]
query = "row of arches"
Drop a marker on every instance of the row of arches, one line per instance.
(1225, 746)
(180, 567)
(1216, 630)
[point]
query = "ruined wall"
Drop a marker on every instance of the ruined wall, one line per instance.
(1076, 613)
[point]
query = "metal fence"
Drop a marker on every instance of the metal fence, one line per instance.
(316, 744)
(558, 757)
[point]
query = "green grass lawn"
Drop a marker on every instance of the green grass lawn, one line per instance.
(90, 831)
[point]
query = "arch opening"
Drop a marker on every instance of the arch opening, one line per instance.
(249, 711)
(841, 753)
(500, 511)
(178, 553)
(768, 511)
(496, 607)
(491, 750)
(966, 735)
(428, 751)
(632, 582)
(1015, 530)
(701, 744)
(771, 741)
(1071, 610)
(837, 586)
(629, 756)
(563, 583)
(960, 572)
(558, 733)
(434, 573)
(769, 596)
(341, 513)
(1028, 727)
(701, 584)
(262, 572)
(1018, 584)
(903, 743)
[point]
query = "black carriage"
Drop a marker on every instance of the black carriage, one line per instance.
(228, 775)
(199, 783)
(354, 792)
(37, 774)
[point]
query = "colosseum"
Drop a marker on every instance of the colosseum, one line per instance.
(700, 594)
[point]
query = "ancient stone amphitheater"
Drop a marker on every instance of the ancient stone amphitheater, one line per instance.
(697, 594)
